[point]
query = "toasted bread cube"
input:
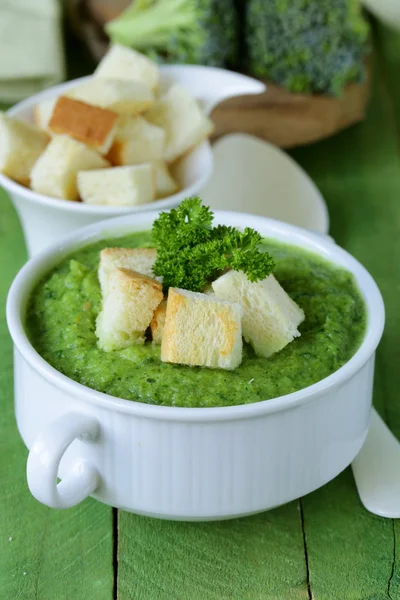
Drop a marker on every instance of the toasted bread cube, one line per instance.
(126, 63)
(270, 316)
(140, 260)
(120, 95)
(21, 144)
(201, 330)
(93, 126)
(183, 120)
(127, 309)
(119, 186)
(158, 322)
(55, 173)
(136, 141)
(43, 111)
(165, 183)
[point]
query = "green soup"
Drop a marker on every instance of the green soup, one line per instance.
(61, 325)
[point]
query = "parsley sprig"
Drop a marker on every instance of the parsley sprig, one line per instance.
(191, 252)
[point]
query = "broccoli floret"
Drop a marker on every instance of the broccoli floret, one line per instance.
(179, 31)
(308, 46)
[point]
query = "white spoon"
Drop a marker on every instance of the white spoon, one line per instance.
(252, 175)
(376, 470)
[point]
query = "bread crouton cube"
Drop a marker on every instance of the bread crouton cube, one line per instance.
(119, 186)
(55, 173)
(42, 112)
(165, 183)
(21, 144)
(120, 95)
(126, 63)
(136, 141)
(140, 260)
(93, 126)
(201, 330)
(127, 309)
(158, 322)
(270, 316)
(180, 115)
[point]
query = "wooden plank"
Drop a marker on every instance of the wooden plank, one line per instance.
(256, 558)
(388, 48)
(44, 554)
(351, 553)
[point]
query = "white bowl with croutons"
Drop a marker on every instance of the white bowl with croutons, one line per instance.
(181, 462)
(132, 137)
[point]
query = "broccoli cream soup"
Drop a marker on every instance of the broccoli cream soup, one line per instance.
(61, 320)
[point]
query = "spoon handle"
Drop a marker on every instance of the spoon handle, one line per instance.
(376, 470)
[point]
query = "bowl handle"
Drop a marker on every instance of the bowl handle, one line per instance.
(45, 457)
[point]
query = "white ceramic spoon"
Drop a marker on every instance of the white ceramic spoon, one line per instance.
(251, 175)
(376, 470)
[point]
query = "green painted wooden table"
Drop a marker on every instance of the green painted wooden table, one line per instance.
(324, 546)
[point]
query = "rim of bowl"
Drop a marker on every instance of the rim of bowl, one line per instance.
(72, 206)
(320, 244)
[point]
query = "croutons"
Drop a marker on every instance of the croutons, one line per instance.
(127, 310)
(270, 316)
(21, 144)
(42, 112)
(91, 125)
(120, 95)
(119, 186)
(140, 260)
(126, 63)
(113, 114)
(136, 141)
(165, 183)
(55, 173)
(201, 330)
(184, 122)
(158, 322)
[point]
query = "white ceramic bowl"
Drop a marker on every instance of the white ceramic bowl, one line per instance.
(187, 463)
(46, 220)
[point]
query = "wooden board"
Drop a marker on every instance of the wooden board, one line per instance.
(290, 120)
(44, 554)
(351, 553)
(259, 557)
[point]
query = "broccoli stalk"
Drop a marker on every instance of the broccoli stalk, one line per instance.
(307, 46)
(182, 31)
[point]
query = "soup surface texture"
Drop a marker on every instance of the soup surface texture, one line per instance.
(61, 326)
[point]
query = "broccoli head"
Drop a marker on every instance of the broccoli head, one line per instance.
(308, 46)
(179, 31)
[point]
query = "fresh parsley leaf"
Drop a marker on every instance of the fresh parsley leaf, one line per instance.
(191, 253)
